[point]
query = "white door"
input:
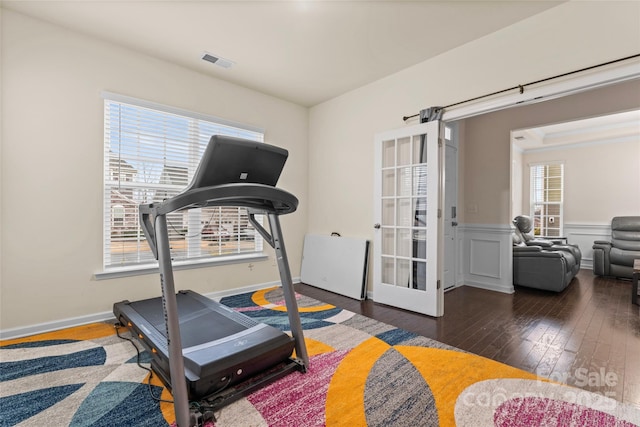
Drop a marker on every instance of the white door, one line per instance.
(408, 230)
(450, 223)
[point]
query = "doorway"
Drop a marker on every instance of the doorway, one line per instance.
(589, 150)
(486, 197)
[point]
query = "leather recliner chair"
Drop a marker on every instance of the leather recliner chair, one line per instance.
(615, 258)
(524, 226)
(541, 268)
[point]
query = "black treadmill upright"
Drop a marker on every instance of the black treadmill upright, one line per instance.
(189, 335)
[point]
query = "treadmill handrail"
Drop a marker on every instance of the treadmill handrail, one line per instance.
(256, 197)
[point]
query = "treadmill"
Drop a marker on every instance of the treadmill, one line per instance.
(201, 349)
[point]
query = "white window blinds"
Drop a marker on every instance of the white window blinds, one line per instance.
(547, 181)
(151, 154)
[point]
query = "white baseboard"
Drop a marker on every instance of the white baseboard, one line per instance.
(485, 252)
(40, 328)
(217, 295)
(485, 257)
(490, 286)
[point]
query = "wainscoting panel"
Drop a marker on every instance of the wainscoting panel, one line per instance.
(482, 258)
(584, 235)
(486, 256)
(486, 250)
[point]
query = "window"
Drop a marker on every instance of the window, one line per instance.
(117, 216)
(150, 154)
(547, 181)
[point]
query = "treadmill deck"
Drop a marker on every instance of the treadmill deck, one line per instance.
(221, 347)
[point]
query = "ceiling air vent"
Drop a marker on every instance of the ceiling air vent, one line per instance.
(221, 62)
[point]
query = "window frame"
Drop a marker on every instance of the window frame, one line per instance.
(533, 201)
(149, 266)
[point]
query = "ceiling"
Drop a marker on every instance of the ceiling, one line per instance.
(609, 128)
(303, 51)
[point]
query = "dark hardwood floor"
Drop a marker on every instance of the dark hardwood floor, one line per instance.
(587, 336)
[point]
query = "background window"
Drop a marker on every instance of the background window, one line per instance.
(547, 182)
(151, 155)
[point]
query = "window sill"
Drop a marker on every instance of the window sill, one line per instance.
(118, 272)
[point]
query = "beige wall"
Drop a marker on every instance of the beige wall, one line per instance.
(52, 136)
(600, 181)
(488, 143)
(52, 148)
(568, 37)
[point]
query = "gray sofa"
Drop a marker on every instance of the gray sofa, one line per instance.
(540, 263)
(615, 258)
(535, 267)
(524, 226)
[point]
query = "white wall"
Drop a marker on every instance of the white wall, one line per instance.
(488, 144)
(487, 139)
(52, 148)
(568, 37)
(600, 180)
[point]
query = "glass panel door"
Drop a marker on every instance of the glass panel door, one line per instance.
(407, 197)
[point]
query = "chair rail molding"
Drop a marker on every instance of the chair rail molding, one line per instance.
(486, 256)
(583, 235)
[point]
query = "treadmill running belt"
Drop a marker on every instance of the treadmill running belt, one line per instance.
(193, 316)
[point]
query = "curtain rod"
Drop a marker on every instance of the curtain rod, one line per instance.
(522, 86)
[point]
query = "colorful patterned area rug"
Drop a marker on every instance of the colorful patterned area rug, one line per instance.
(362, 373)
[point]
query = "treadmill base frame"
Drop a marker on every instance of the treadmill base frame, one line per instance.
(205, 408)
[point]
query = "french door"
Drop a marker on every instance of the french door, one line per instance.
(408, 224)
